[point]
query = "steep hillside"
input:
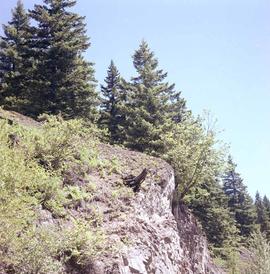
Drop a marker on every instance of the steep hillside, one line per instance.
(133, 232)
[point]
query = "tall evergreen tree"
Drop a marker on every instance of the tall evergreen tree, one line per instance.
(262, 215)
(64, 81)
(112, 98)
(16, 63)
(210, 205)
(152, 104)
(266, 203)
(240, 203)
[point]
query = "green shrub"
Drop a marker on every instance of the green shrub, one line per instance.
(34, 251)
(193, 151)
(228, 258)
(82, 242)
(32, 171)
(59, 143)
(259, 261)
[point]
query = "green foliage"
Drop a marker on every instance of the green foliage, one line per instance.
(29, 177)
(82, 243)
(266, 204)
(259, 261)
(32, 180)
(151, 105)
(240, 203)
(46, 249)
(42, 68)
(193, 152)
(23, 184)
(59, 144)
(209, 205)
(228, 258)
(25, 254)
(76, 195)
(112, 98)
(64, 81)
(16, 65)
(263, 219)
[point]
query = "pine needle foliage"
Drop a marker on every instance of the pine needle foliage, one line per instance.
(152, 104)
(113, 97)
(64, 81)
(16, 62)
(240, 202)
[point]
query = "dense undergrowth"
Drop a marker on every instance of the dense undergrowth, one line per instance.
(36, 177)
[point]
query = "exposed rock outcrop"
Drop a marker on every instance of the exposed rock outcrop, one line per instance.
(161, 239)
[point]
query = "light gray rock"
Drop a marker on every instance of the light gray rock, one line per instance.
(163, 240)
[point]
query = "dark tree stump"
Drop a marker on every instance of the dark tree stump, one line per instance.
(135, 181)
(14, 140)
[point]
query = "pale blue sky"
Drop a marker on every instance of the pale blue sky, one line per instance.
(217, 53)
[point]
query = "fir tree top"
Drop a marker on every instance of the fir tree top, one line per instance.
(146, 66)
(112, 80)
(19, 23)
(232, 180)
(15, 61)
(64, 79)
(65, 28)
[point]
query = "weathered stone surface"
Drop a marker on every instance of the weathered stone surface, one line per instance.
(162, 240)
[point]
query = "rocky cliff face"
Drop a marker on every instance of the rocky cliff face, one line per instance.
(161, 238)
(146, 233)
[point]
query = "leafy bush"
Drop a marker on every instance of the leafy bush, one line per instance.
(81, 244)
(60, 142)
(259, 261)
(228, 258)
(192, 150)
(32, 173)
(34, 252)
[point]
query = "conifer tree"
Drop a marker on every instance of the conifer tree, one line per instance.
(64, 81)
(266, 203)
(16, 63)
(262, 217)
(112, 98)
(210, 205)
(240, 203)
(152, 104)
